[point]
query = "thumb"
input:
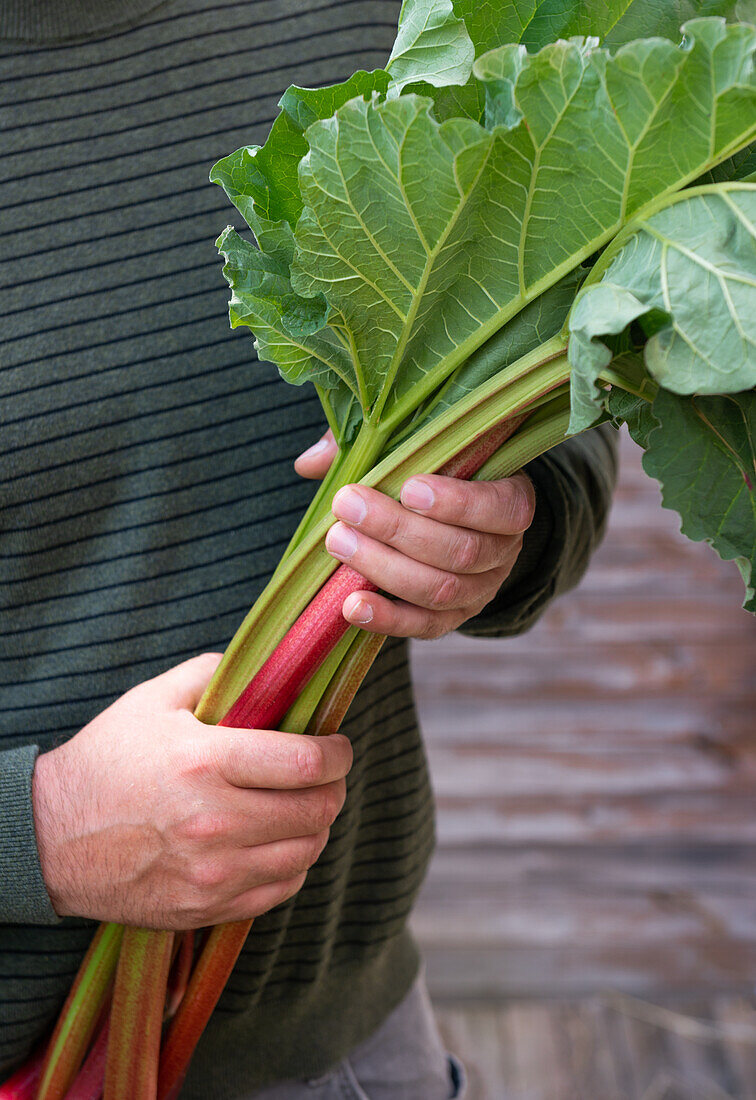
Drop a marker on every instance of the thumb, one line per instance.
(182, 686)
(315, 461)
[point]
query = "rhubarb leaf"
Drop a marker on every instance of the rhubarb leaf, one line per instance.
(534, 325)
(703, 453)
(534, 23)
(432, 45)
(415, 286)
(262, 181)
(289, 330)
(614, 22)
(688, 273)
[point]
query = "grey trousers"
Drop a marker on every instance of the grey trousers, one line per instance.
(403, 1060)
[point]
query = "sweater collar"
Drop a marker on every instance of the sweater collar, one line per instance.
(60, 21)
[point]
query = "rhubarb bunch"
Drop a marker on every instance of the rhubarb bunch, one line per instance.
(494, 242)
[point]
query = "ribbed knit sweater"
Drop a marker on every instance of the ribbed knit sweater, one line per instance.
(147, 489)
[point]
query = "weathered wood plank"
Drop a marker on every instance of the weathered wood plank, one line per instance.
(724, 813)
(596, 780)
(602, 1049)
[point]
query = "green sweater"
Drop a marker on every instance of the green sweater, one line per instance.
(147, 490)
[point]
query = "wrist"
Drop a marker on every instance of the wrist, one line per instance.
(48, 820)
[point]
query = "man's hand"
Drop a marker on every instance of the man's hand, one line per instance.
(149, 817)
(444, 550)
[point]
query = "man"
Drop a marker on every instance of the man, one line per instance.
(147, 494)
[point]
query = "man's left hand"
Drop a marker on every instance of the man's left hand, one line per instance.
(443, 550)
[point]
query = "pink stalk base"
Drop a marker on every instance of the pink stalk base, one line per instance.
(23, 1084)
(90, 1080)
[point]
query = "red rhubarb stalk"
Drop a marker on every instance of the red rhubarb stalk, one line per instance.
(136, 1018)
(297, 656)
(206, 984)
(90, 1080)
(80, 1014)
(262, 704)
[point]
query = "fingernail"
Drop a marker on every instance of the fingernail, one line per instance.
(357, 610)
(349, 505)
(316, 449)
(341, 541)
(417, 494)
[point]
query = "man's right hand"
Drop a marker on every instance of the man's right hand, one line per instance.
(151, 818)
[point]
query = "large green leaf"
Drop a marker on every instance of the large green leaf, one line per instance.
(534, 23)
(534, 325)
(425, 239)
(432, 45)
(702, 450)
(289, 330)
(689, 273)
(262, 181)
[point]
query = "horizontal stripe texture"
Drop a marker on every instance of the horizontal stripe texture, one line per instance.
(146, 482)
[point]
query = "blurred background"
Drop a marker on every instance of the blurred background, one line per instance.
(589, 922)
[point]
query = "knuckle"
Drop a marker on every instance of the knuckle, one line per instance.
(206, 876)
(445, 592)
(311, 762)
(394, 525)
(333, 799)
(201, 828)
(431, 629)
(286, 890)
(347, 751)
(312, 849)
(467, 552)
(516, 504)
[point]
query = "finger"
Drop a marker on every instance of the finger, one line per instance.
(413, 581)
(248, 818)
(259, 900)
(444, 545)
(316, 460)
(275, 760)
(503, 507)
(398, 619)
(182, 687)
(227, 873)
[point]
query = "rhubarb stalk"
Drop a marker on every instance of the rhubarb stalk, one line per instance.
(90, 1080)
(226, 941)
(80, 1014)
(136, 1018)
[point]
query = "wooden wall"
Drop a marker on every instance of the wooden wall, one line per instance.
(596, 780)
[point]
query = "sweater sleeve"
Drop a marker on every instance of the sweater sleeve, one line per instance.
(574, 485)
(23, 897)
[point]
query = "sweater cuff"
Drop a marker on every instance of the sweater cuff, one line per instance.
(23, 896)
(573, 487)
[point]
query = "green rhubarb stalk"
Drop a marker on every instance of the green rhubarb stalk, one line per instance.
(344, 684)
(226, 941)
(297, 717)
(80, 1013)
(136, 1018)
(307, 568)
